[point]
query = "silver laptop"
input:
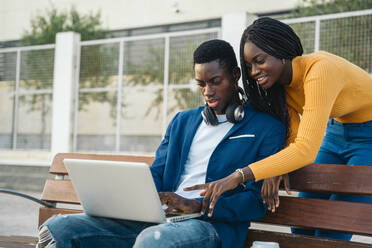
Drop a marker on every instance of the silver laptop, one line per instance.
(121, 190)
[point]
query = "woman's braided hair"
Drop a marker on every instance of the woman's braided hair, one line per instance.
(280, 41)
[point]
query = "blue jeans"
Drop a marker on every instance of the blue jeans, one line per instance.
(81, 230)
(343, 144)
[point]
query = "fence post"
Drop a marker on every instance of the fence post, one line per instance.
(63, 90)
(233, 25)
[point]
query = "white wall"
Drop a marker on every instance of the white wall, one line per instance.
(15, 14)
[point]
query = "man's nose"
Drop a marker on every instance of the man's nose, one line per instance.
(209, 90)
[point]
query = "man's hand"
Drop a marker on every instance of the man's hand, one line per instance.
(270, 191)
(178, 204)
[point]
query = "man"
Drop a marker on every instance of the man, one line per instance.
(193, 151)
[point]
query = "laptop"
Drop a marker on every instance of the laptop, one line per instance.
(120, 190)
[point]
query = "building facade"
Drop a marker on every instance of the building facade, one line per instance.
(135, 14)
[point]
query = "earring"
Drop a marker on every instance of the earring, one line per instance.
(283, 61)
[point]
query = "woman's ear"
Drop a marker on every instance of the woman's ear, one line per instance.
(236, 74)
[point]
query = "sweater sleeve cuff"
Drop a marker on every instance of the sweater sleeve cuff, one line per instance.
(257, 173)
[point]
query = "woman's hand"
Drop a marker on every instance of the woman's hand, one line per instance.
(270, 191)
(213, 190)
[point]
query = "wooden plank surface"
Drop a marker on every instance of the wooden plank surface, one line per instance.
(287, 240)
(45, 213)
(17, 242)
(349, 217)
(348, 179)
(61, 191)
(58, 167)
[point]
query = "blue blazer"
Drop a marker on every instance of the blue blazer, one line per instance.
(257, 136)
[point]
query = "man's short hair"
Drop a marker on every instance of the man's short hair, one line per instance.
(212, 50)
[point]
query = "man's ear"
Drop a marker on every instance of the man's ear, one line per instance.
(236, 74)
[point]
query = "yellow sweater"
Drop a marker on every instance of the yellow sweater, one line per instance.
(323, 86)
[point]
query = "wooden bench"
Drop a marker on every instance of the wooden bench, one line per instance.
(351, 217)
(60, 189)
(307, 213)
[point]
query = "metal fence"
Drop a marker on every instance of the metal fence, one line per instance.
(26, 79)
(348, 35)
(128, 89)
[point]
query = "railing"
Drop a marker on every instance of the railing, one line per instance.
(347, 34)
(26, 79)
(128, 89)
(136, 84)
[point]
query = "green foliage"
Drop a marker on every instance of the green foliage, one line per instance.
(348, 37)
(322, 7)
(37, 65)
(44, 28)
(144, 67)
(143, 63)
(99, 69)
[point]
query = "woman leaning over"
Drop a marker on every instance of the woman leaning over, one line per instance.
(331, 95)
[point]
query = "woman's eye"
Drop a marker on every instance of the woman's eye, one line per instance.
(260, 60)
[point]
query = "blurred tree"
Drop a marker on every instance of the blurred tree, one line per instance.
(148, 70)
(349, 37)
(323, 7)
(37, 65)
(44, 28)
(143, 64)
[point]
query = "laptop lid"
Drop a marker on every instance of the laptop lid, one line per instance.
(122, 190)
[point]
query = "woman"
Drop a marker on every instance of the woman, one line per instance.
(328, 92)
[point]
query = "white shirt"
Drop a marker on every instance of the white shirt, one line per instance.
(206, 139)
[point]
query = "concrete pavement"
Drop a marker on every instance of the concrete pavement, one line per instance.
(18, 216)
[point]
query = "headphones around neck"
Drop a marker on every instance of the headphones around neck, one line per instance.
(234, 112)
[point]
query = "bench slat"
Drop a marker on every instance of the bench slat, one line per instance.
(61, 191)
(45, 213)
(287, 240)
(352, 217)
(308, 213)
(348, 179)
(58, 167)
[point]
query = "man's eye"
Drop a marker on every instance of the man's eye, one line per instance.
(216, 81)
(200, 84)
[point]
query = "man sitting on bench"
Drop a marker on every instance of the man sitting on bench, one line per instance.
(201, 145)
